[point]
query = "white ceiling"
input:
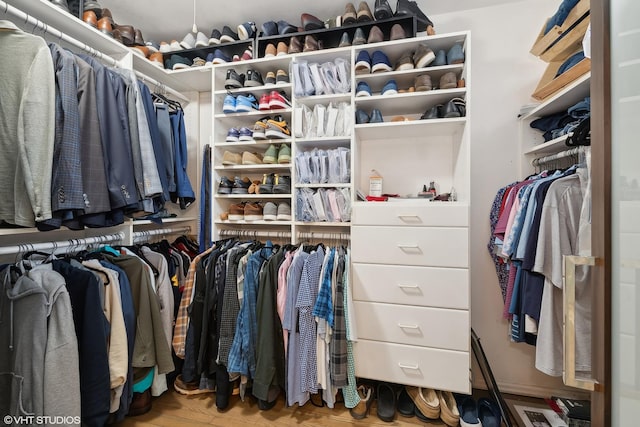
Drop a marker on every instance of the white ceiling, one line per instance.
(171, 19)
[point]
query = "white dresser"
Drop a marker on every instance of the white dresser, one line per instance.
(411, 293)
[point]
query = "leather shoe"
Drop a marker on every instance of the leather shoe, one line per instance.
(89, 17)
(138, 40)
(364, 13)
(375, 35)
(62, 4)
(141, 403)
(349, 16)
(285, 28)
(128, 34)
(156, 58)
(104, 25)
(295, 46)
(386, 407)
(434, 112)
(117, 36)
(106, 13)
(382, 10)
(345, 40)
(358, 37)
(92, 5)
(407, 7)
(397, 32)
(310, 22)
(310, 44)
(423, 83)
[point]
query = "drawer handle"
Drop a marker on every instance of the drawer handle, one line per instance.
(403, 247)
(412, 367)
(408, 216)
(408, 326)
(407, 286)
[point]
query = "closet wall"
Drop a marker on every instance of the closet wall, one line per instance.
(504, 76)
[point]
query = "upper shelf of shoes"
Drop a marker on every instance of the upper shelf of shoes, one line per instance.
(199, 78)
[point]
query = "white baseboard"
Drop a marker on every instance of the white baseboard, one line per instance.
(532, 390)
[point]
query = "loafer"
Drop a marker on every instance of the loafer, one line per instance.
(448, 408)
(105, 27)
(282, 49)
(455, 54)
(364, 13)
(363, 63)
(448, 80)
(434, 112)
(380, 62)
(310, 44)
(138, 40)
(270, 50)
(406, 407)
(285, 28)
(405, 62)
(423, 56)
(295, 46)
(361, 117)
(375, 35)
(386, 405)
(423, 83)
(345, 40)
(397, 32)
(376, 116)
(269, 28)
(350, 15)
(89, 17)
(382, 10)
(441, 59)
(358, 37)
(310, 22)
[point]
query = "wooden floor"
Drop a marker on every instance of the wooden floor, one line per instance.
(173, 409)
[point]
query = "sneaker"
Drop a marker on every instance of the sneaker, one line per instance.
(254, 78)
(441, 59)
(251, 159)
(246, 30)
(233, 135)
(270, 211)
(263, 104)
(241, 186)
(229, 104)
(390, 88)
(454, 108)
(423, 82)
(236, 212)
(278, 100)
(270, 50)
(246, 103)
(363, 89)
(282, 184)
(245, 134)
(180, 62)
(270, 155)
(277, 129)
(270, 79)
(284, 154)
(282, 78)
(405, 62)
(380, 62)
(376, 116)
(214, 38)
(423, 56)
(363, 63)
(234, 80)
(448, 80)
(188, 42)
(175, 45)
(260, 127)
(219, 57)
(253, 212)
(198, 62)
(455, 54)
(247, 54)
(225, 185)
(282, 49)
(285, 28)
(284, 212)
(230, 158)
(269, 28)
(228, 36)
(201, 40)
(209, 59)
(266, 186)
(362, 117)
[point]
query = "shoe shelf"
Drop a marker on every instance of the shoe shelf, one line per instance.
(549, 147)
(164, 221)
(405, 78)
(395, 48)
(323, 142)
(228, 48)
(571, 94)
(330, 37)
(253, 196)
(329, 185)
(257, 113)
(407, 103)
(254, 168)
(254, 143)
(255, 89)
(264, 65)
(324, 99)
(410, 129)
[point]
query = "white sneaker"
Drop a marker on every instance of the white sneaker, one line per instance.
(188, 42)
(202, 40)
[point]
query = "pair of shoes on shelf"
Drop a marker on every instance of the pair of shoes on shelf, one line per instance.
(452, 109)
(377, 62)
(237, 186)
(246, 211)
(352, 16)
(455, 55)
(485, 412)
(448, 80)
(277, 212)
(271, 127)
(362, 117)
(421, 57)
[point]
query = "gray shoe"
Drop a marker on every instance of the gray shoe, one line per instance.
(270, 211)
(284, 212)
(448, 80)
(358, 37)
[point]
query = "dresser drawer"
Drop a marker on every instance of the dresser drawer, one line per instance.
(411, 214)
(420, 286)
(421, 326)
(410, 365)
(425, 246)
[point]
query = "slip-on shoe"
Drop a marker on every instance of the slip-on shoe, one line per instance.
(488, 413)
(350, 15)
(448, 408)
(310, 22)
(426, 400)
(386, 407)
(406, 407)
(364, 13)
(382, 10)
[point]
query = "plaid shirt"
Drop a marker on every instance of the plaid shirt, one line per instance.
(182, 320)
(323, 307)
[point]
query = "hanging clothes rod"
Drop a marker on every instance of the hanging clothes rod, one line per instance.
(283, 234)
(324, 236)
(47, 246)
(145, 235)
(566, 153)
(39, 25)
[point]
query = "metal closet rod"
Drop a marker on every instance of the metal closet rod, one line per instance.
(46, 246)
(39, 25)
(566, 153)
(145, 235)
(283, 234)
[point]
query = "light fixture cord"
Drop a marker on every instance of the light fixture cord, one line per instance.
(195, 27)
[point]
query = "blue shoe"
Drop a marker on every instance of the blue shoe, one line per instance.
(245, 134)
(363, 89)
(361, 117)
(455, 54)
(468, 412)
(561, 14)
(363, 63)
(376, 116)
(209, 60)
(219, 57)
(233, 135)
(229, 104)
(390, 88)
(489, 413)
(269, 28)
(246, 103)
(380, 62)
(247, 30)
(441, 59)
